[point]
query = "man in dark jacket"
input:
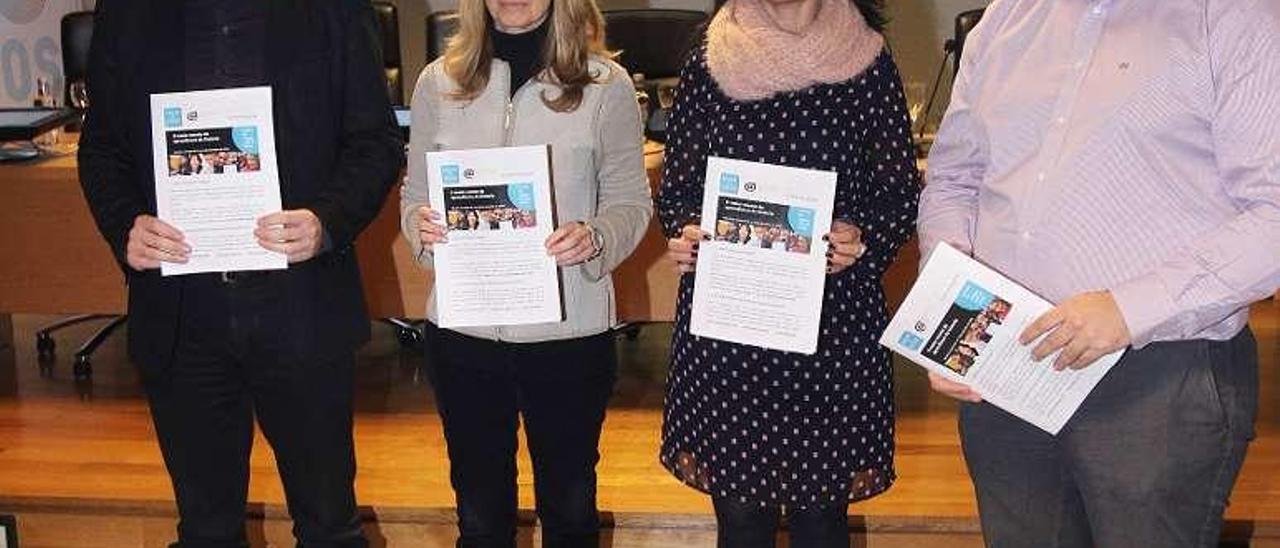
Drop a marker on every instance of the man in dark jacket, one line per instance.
(218, 350)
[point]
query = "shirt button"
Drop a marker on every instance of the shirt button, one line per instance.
(1062, 119)
(1079, 65)
(1026, 235)
(225, 30)
(1040, 176)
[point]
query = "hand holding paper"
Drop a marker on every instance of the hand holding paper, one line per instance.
(953, 389)
(570, 244)
(845, 247)
(1085, 327)
(296, 234)
(970, 327)
(152, 241)
(683, 251)
(430, 231)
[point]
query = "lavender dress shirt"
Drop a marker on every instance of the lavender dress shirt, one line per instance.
(1125, 145)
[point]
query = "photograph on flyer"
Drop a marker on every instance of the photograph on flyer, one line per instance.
(496, 207)
(213, 151)
(764, 225)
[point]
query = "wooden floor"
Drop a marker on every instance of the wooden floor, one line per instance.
(66, 441)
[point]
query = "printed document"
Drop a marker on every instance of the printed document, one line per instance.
(494, 269)
(962, 320)
(760, 280)
(215, 169)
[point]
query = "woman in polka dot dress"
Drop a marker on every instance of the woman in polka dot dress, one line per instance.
(808, 84)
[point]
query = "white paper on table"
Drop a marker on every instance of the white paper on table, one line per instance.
(760, 280)
(494, 270)
(962, 320)
(216, 198)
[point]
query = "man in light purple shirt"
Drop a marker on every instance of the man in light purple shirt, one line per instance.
(1120, 158)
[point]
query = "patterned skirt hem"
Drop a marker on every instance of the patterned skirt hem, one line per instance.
(888, 474)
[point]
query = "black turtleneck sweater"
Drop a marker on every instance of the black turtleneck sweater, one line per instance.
(523, 52)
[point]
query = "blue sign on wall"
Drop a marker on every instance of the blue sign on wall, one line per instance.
(29, 48)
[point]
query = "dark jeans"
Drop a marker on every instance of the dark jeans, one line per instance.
(230, 366)
(560, 389)
(750, 525)
(1148, 460)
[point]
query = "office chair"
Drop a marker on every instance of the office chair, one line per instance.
(965, 22)
(77, 30)
(952, 49)
(389, 27)
(440, 27)
(653, 42)
(653, 45)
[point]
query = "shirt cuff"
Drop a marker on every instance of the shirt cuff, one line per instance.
(1145, 305)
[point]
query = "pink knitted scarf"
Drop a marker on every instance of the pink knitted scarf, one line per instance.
(751, 58)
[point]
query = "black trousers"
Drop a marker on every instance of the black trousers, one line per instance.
(232, 364)
(560, 389)
(750, 525)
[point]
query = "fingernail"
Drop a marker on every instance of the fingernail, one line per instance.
(706, 237)
(825, 238)
(695, 245)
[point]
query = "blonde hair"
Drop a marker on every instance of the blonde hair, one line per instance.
(575, 32)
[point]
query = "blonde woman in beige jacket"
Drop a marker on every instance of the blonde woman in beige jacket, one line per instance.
(529, 74)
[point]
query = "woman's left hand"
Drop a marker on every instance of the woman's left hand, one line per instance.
(844, 246)
(570, 244)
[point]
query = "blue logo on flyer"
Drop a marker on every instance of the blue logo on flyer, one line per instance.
(450, 174)
(521, 195)
(245, 139)
(973, 297)
(801, 220)
(172, 117)
(728, 183)
(910, 341)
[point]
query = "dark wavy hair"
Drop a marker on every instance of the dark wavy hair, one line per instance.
(873, 12)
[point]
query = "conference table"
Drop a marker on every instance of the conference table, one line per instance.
(55, 262)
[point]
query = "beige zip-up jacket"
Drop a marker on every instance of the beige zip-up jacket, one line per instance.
(597, 171)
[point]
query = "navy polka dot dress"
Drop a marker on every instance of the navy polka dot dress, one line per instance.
(774, 427)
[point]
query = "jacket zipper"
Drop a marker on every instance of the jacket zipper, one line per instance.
(508, 130)
(506, 122)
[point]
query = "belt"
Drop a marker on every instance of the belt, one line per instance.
(241, 277)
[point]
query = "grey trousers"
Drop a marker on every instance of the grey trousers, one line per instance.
(1148, 460)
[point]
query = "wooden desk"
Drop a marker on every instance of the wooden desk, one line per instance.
(55, 260)
(57, 263)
